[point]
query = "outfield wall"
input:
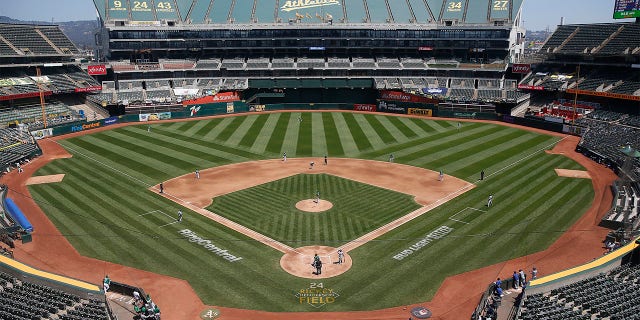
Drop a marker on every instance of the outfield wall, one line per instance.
(421, 109)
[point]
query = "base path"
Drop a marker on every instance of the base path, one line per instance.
(45, 179)
(573, 173)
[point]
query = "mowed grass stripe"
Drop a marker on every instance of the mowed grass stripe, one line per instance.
(113, 160)
(185, 126)
(331, 135)
(359, 137)
(241, 130)
(443, 142)
(424, 126)
(402, 125)
(208, 126)
(395, 135)
(417, 144)
(230, 128)
(204, 157)
(318, 139)
(346, 139)
(469, 149)
(277, 137)
(215, 132)
(509, 153)
(188, 157)
(264, 136)
(155, 158)
(370, 132)
(227, 152)
(291, 135)
(250, 136)
(304, 146)
(198, 125)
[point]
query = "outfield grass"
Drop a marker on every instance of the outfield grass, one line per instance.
(103, 205)
(269, 208)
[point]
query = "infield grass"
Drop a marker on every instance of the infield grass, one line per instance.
(100, 205)
(358, 208)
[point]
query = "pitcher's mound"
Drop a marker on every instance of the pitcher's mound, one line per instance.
(298, 262)
(310, 205)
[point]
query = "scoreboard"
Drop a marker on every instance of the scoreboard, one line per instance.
(626, 9)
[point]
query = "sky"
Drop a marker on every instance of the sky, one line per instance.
(538, 14)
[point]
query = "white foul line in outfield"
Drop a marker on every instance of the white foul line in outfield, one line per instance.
(459, 212)
(353, 244)
(524, 158)
(104, 164)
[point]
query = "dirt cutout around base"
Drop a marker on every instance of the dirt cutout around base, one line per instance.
(298, 262)
(45, 179)
(573, 173)
(310, 205)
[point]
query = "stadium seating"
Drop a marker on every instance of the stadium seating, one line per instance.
(130, 84)
(159, 95)
(282, 63)
(20, 299)
(338, 63)
(177, 64)
(258, 63)
(213, 64)
(364, 63)
(462, 94)
(307, 63)
(413, 64)
(130, 96)
(35, 40)
(490, 95)
(624, 42)
(488, 84)
(610, 295)
(558, 37)
(233, 64)
(386, 63)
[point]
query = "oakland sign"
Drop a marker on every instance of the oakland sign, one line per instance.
(291, 5)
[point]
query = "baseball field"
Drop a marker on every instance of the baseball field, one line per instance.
(108, 205)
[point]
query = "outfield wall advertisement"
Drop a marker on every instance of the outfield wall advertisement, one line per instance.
(365, 107)
(144, 117)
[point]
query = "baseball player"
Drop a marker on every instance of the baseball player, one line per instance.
(391, 158)
(490, 201)
(197, 174)
(326, 161)
(106, 282)
(180, 215)
(161, 187)
(340, 256)
(311, 165)
(284, 156)
(441, 176)
(317, 196)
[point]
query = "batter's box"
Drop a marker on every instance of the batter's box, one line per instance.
(161, 218)
(466, 215)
